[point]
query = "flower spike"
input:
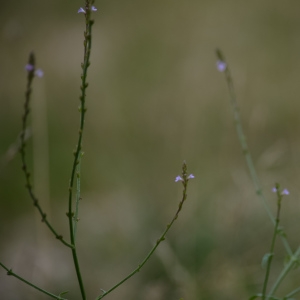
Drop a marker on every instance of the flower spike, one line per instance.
(284, 191)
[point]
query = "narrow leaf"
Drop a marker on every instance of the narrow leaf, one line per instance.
(265, 259)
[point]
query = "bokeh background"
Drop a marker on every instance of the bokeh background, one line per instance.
(155, 99)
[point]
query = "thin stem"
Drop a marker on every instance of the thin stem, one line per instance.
(271, 253)
(12, 150)
(294, 259)
(30, 76)
(294, 292)
(245, 148)
(82, 109)
(78, 198)
(11, 273)
(185, 180)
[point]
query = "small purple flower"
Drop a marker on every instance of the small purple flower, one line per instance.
(29, 67)
(178, 178)
(39, 73)
(285, 192)
(221, 66)
(93, 8)
(81, 10)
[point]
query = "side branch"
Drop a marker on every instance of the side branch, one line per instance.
(223, 67)
(11, 273)
(185, 178)
(31, 73)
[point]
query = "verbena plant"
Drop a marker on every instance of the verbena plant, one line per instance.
(74, 184)
(293, 256)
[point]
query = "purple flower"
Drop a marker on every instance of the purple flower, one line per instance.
(178, 178)
(29, 67)
(39, 73)
(285, 192)
(221, 65)
(81, 10)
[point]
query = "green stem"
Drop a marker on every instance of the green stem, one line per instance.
(84, 85)
(11, 273)
(185, 180)
(78, 198)
(29, 187)
(294, 292)
(293, 260)
(270, 258)
(245, 148)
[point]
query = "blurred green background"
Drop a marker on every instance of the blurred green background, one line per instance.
(155, 99)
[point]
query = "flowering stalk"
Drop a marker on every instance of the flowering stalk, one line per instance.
(294, 257)
(222, 66)
(82, 109)
(31, 73)
(184, 179)
(270, 255)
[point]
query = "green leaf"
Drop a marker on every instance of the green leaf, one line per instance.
(265, 259)
(63, 293)
(280, 231)
(296, 262)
